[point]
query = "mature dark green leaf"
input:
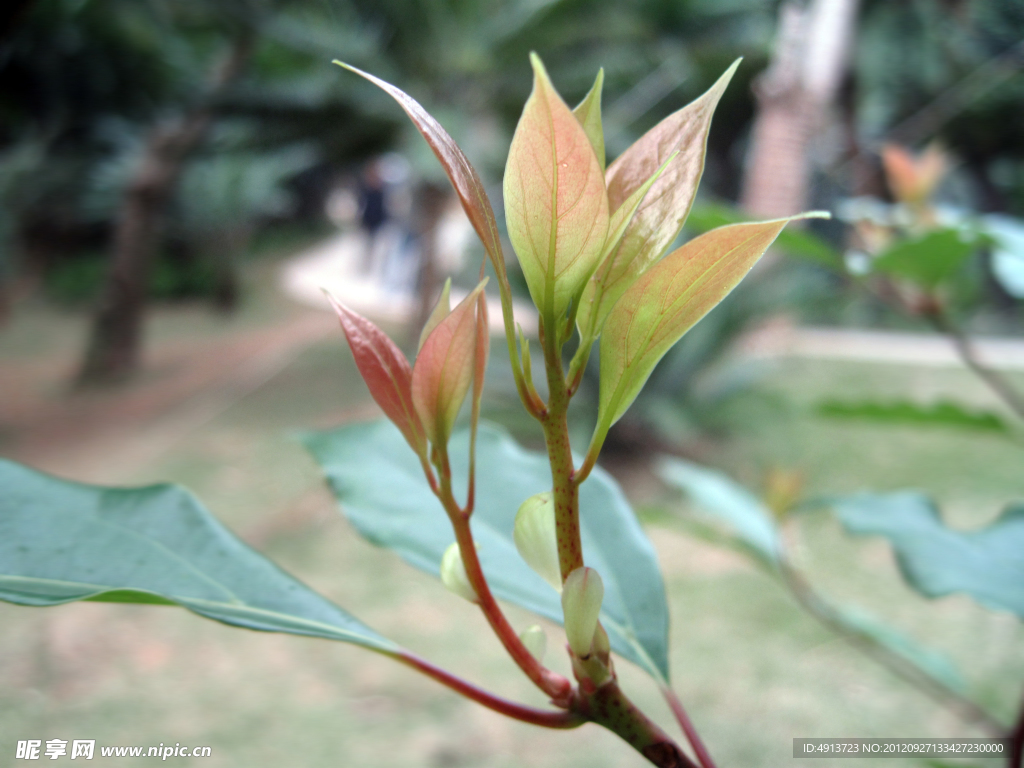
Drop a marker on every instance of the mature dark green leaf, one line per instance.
(927, 260)
(381, 487)
(943, 414)
(987, 564)
(62, 541)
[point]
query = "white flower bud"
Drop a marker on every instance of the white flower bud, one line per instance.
(535, 640)
(534, 535)
(582, 594)
(453, 574)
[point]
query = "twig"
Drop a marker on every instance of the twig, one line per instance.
(965, 348)
(541, 717)
(687, 725)
(818, 607)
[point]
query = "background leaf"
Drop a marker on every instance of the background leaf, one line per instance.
(728, 502)
(62, 541)
(987, 564)
(750, 523)
(927, 260)
(383, 493)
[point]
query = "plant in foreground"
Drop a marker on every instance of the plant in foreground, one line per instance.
(591, 242)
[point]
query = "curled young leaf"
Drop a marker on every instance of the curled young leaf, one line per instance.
(441, 310)
(666, 301)
(588, 112)
(445, 368)
(555, 202)
(385, 370)
(665, 207)
(461, 172)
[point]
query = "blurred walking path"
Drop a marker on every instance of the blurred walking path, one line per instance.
(336, 265)
(921, 349)
(101, 435)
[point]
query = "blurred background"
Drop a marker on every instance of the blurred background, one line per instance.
(178, 178)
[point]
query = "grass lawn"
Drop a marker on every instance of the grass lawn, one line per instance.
(753, 669)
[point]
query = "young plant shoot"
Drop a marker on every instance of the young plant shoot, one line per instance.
(591, 242)
(557, 538)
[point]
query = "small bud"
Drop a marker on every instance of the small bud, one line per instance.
(453, 574)
(535, 538)
(535, 640)
(582, 594)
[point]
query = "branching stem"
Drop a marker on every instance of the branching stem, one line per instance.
(541, 717)
(554, 685)
(703, 756)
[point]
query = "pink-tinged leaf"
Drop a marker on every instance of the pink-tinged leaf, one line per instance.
(441, 310)
(385, 370)
(588, 112)
(461, 173)
(663, 212)
(556, 208)
(594, 295)
(445, 368)
(667, 300)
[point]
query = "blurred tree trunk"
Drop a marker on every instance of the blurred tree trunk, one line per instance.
(430, 201)
(794, 96)
(114, 346)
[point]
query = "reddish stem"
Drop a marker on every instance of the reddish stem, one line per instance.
(1017, 741)
(553, 684)
(541, 717)
(687, 725)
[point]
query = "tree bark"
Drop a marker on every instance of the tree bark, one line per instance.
(113, 350)
(793, 99)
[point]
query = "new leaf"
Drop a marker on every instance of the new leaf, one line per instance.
(663, 211)
(666, 301)
(385, 370)
(445, 368)
(556, 208)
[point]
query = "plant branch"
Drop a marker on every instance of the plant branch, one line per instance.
(969, 355)
(565, 490)
(703, 756)
(1017, 741)
(554, 685)
(541, 717)
(820, 608)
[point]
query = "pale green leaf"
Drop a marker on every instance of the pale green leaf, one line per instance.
(62, 541)
(588, 112)
(556, 208)
(987, 564)
(381, 489)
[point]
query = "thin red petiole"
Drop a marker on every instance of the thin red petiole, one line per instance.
(687, 725)
(542, 717)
